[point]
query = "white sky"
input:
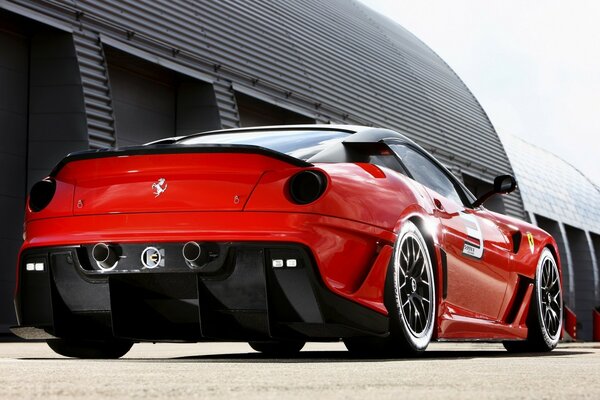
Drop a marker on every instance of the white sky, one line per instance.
(534, 65)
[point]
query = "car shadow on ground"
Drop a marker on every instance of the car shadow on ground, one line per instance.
(345, 356)
(310, 357)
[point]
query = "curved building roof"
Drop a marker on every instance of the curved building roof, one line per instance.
(330, 60)
(553, 188)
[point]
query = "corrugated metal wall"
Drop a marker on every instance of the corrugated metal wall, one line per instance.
(334, 59)
(96, 90)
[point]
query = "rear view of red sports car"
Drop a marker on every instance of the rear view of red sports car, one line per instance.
(278, 236)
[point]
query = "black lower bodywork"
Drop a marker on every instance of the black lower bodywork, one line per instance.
(238, 296)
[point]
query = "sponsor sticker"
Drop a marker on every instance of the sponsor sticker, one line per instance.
(471, 250)
(473, 231)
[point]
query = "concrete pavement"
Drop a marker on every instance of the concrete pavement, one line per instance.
(321, 371)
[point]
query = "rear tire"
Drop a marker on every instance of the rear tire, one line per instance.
(90, 348)
(278, 348)
(410, 295)
(545, 311)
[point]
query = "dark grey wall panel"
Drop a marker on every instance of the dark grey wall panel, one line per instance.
(564, 250)
(595, 242)
(585, 299)
(143, 99)
(197, 108)
(42, 118)
(254, 112)
(152, 102)
(14, 66)
(57, 118)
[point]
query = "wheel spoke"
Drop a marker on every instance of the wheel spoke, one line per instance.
(555, 280)
(424, 310)
(549, 323)
(410, 313)
(410, 250)
(402, 269)
(421, 298)
(419, 264)
(405, 255)
(547, 318)
(553, 321)
(555, 300)
(418, 304)
(545, 276)
(417, 316)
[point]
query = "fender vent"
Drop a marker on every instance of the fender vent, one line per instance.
(518, 298)
(516, 241)
(444, 274)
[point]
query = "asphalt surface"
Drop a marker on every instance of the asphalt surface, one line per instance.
(321, 371)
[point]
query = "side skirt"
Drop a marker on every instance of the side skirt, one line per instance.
(454, 326)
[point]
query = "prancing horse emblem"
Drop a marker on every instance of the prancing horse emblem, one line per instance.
(159, 187)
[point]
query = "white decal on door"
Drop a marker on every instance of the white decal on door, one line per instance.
(474, 244)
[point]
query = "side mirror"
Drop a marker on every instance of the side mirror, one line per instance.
(503, 184)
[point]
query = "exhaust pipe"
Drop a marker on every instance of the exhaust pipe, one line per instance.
(195, 256)
(105, 256)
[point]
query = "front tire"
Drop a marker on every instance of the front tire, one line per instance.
(90, 348)
(546, 309)
(410, 293)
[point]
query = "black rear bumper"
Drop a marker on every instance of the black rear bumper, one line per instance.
(240, 297)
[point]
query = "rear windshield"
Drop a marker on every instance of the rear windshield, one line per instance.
(302, 144)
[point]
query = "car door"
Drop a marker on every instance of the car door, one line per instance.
(477, 263)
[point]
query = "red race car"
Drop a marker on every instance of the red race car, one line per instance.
(277, 236)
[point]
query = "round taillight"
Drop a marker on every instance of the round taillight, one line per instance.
(41, 194)
(307, 186)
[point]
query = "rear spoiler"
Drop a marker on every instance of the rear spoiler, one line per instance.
(178, 149)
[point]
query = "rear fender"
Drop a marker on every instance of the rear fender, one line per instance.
(359, 192)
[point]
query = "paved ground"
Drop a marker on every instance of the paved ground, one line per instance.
(234, 371)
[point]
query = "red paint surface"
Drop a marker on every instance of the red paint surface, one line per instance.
(570, 322)
(350, 230)
(596, 317)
